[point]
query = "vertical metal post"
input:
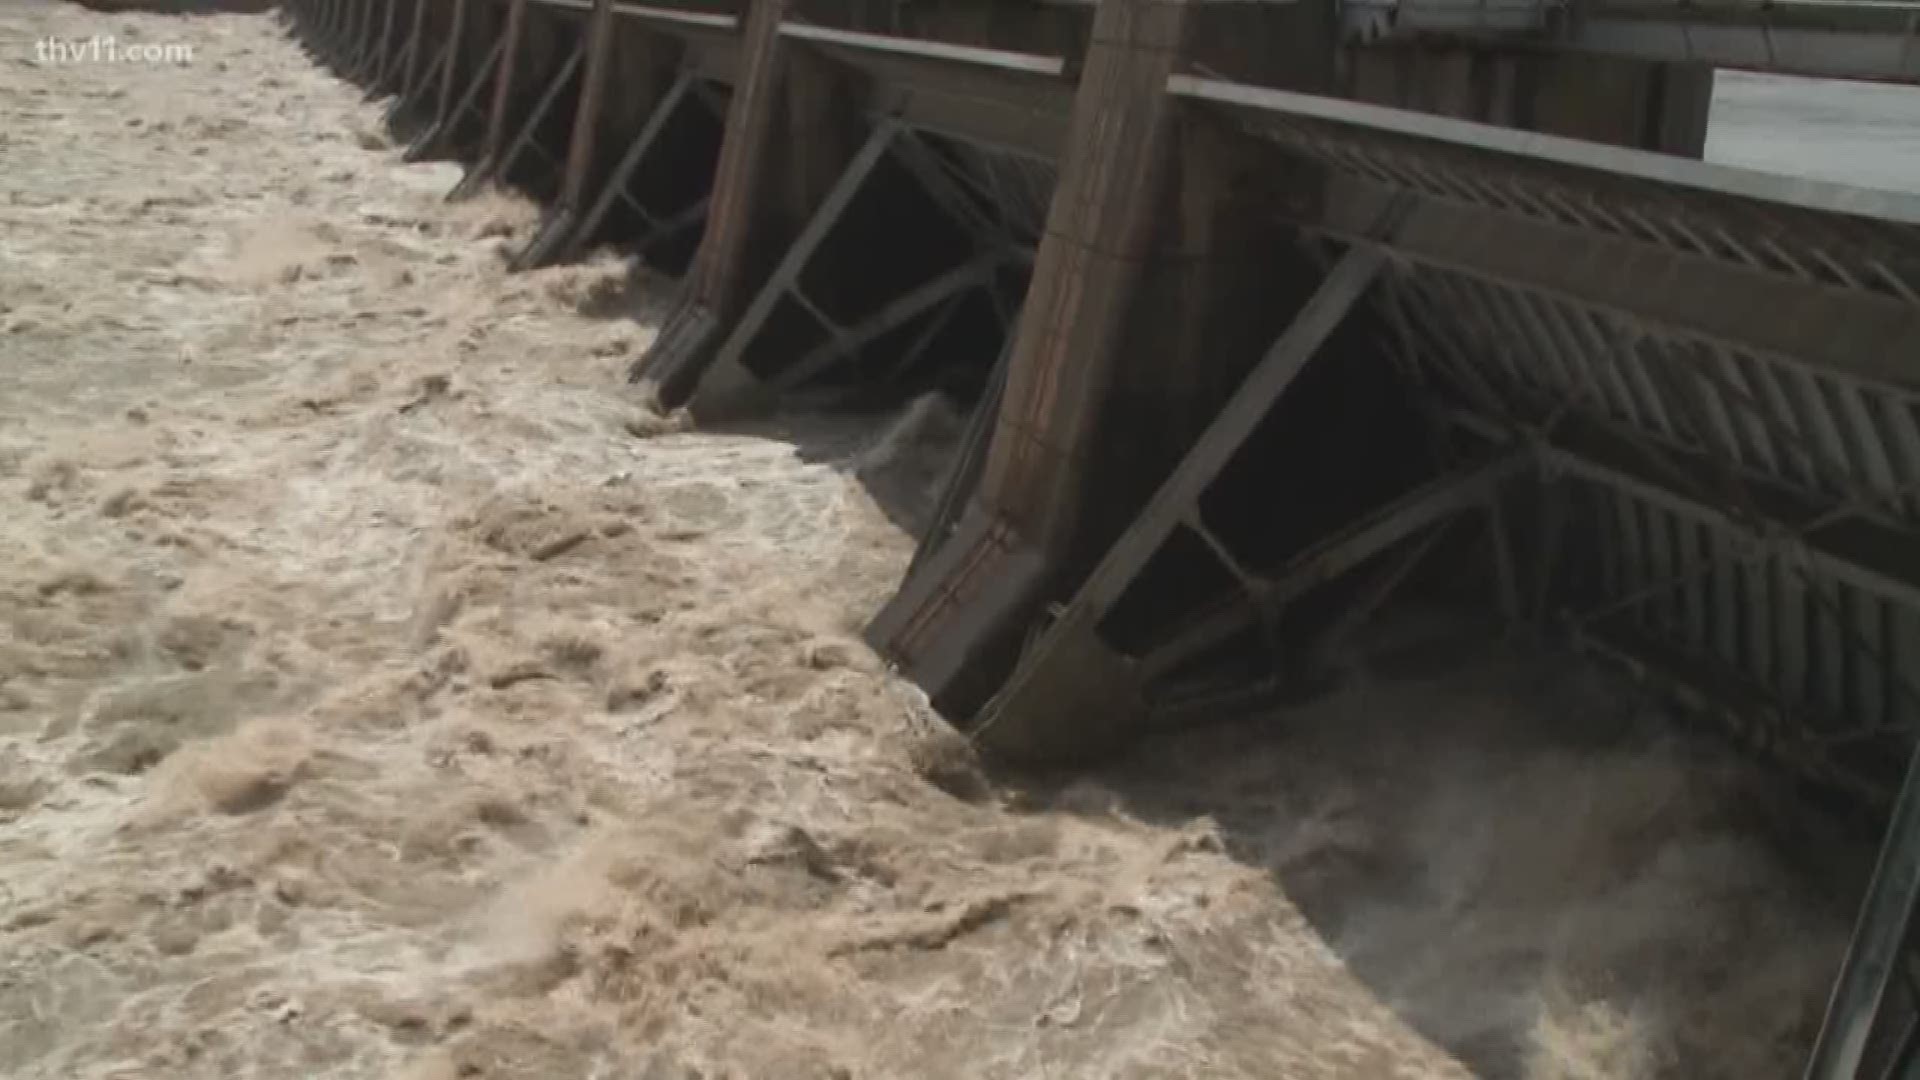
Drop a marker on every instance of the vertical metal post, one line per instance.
(456, 44)
(1879, 940)
(380, 53)
(586, 119)
(331, 20)
(502, 90)
(359, 14)
(357, 35)
(416, 47)
(558, 232)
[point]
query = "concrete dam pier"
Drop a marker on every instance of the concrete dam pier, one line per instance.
(1270, 316)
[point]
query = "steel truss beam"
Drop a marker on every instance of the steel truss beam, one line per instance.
(1024, 719)
(844, 341)
(1262, 595)
(1173, 706)
(728, 384)
(965, 198)
(1851, 546)
(1762, 531)
(1770, 526)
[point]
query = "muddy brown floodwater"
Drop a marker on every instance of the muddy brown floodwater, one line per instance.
(382, 693)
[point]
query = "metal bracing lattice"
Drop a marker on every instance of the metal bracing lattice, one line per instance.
(998, 200)
(527, 136)
(994, 192)
(391, 52)
(418, 65)
(369, 50)
(1745, 371)
(1761, 506)
(1715, 380)
(688, 91)
(451, 111)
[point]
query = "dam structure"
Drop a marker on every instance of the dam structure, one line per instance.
(1270, 316)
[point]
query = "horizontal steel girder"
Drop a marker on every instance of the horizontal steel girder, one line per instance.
(1328, 125)
(1760, 43)
(685, 22)
(1863, 334)
(1009, 101)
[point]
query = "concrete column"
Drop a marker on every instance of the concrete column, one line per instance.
(791, 129)
(949, 625)
(1099, 230)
